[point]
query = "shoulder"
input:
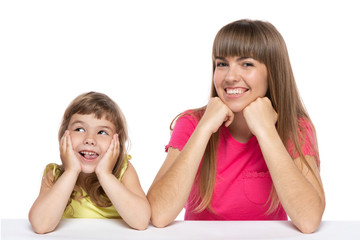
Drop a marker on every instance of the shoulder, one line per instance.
(182, 128)
(305, 124)
(129, 175)
(54, 170)
(51, 174)
(124, 165)
(306, 140)
(306, 131)
(189, 118)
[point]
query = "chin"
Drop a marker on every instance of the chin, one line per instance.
(236, 108)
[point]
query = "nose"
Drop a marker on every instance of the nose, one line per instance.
(89, 140)
(232, 74)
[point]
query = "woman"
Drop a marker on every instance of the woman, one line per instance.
(251, 153)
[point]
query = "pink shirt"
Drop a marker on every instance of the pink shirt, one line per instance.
(243, 182)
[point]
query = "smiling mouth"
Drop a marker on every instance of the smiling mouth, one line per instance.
(235, 91)
(89, 155)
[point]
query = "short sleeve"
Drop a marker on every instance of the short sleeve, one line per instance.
(124, 166)
(307, 140)
(183, 129)
(54, 168)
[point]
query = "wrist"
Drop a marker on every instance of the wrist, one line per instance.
(205, 128)
(103, 176)
(102, 173)
(203, 131)
(267, 134)
(72, 172)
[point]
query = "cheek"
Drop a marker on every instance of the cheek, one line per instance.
(105, 144)
(261, 85)
(266, 86)
(217, 81)
(75, 139)
(263, 89)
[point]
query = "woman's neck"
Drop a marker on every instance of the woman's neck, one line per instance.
(239, 128)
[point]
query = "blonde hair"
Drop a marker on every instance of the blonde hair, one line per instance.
(261, 41)
(101, 106)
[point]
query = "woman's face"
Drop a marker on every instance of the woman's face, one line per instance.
(239, 81)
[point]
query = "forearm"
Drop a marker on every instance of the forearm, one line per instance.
(47, 210)
(301, 200)
(133, 208)
(169, 194)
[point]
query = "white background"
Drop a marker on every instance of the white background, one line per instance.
(154, 59)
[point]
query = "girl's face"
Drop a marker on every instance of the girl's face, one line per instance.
(90, 137)
(239, 81)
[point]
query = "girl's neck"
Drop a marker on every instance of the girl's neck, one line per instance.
(239, 129)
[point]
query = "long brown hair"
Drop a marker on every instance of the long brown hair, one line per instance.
(101, 106)
(261, 41)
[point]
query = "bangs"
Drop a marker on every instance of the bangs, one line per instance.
(99, 110)
(239, 39)
(98, 104)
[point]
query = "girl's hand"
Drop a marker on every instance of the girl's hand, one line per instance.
(107, 163)
(216, 114)
(67, 154)
(260, 116)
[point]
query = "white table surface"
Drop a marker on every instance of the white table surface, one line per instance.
(116, 229)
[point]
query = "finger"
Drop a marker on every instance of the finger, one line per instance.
(68, 141)
(230, 119)
(117, 146)
(276, 116)
(113, 143)
(112, 147)
(110, 150)
(63, 141)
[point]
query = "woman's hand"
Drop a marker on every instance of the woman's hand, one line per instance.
(216, 114)
(67, 154)
(260, 116)
(108, 161)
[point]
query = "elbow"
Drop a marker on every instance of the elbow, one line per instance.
(41, 228)
(159, 223)
(310, 222)
(159, 220)
(143, 221)
(141, 226)
(160, 215)
(309, 226)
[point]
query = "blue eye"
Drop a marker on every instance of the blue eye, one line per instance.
(80, 130)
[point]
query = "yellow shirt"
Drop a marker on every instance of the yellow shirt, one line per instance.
(85, 208)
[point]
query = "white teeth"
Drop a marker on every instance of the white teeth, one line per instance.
(234, 91)
(88, 153)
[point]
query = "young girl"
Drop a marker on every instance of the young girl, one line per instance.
(251, 153)
(95, 179)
